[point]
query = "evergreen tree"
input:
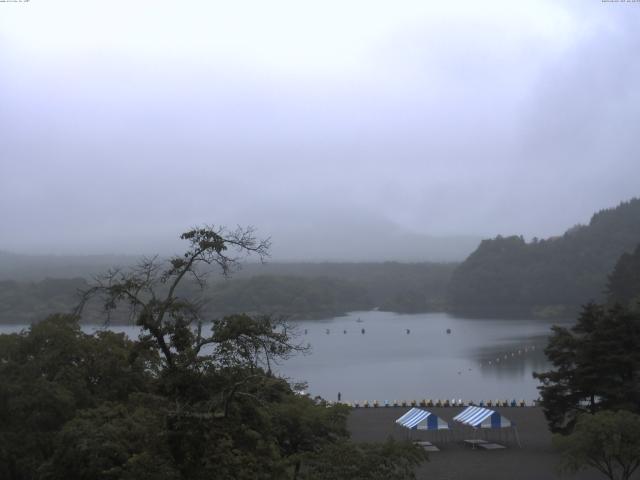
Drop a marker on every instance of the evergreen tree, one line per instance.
(596, 366)
(507, 275)
(624, 281)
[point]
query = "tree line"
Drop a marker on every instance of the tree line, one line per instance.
(505, 276)
(552, 277)
(591, 397)
(188, 399)
(298, 291)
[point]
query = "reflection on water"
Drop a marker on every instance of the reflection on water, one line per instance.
(522, 356)
(387, 356)
(420, 356)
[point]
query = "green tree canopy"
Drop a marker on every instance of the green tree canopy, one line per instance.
(596, 366)
(607, 441)
(391, 460)
(624, 281)
(181, 402)
(508, 275)
(51, 372)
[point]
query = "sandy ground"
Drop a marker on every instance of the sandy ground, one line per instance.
(536, 460)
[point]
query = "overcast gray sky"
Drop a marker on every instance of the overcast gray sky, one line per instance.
(329, 125)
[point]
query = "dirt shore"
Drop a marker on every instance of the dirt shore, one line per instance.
(536, 460)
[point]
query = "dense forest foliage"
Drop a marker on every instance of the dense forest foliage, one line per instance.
(317, 290)
(591, 397)
(305, 290)
(624, 282)
(24, 302)
(596, 366)
(508, 275)
(295, 297)
(183, 401)
(103, 407)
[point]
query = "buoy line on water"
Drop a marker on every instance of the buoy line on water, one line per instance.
(512, 354)
(501, 358)
(435, 403)
(345, 331)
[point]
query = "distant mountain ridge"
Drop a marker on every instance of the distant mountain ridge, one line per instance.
(297, 290)
(19, 267)
(551, 277)
(289, 252)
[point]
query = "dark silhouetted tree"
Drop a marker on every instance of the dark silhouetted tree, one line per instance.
(624, 281)
(607, 441)
(596, 366)
(150, 290)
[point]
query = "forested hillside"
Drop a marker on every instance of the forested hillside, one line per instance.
(297, 297)
(624, 282)
(24, 302)
(507, 275)
(295, 290)
(35, 268)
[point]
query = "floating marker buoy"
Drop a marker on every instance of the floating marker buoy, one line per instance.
(448, 330)
(408, 331)
(363, 331)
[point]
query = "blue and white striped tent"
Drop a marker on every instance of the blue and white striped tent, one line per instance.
(418, 419)
(479, 417)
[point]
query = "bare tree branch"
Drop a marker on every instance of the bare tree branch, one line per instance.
(149, 288)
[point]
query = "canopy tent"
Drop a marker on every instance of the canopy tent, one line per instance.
(483, 418)
(479, 417)
(418, 419)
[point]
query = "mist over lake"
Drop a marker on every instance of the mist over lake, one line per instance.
(389, 363)
(411, 357)
(226, 226)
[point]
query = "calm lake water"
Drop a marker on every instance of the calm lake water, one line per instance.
(407, 357)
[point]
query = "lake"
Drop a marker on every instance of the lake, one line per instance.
(411, 357)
